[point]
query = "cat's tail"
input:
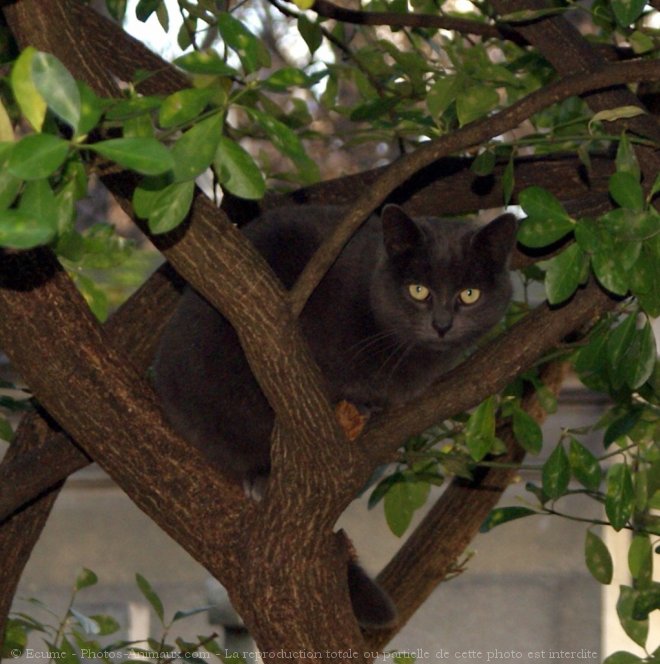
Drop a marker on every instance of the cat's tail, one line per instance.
(372, 606)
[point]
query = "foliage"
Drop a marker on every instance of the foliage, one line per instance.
(250, 122)
(75, 637)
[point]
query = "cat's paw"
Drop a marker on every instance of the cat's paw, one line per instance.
(255, 487)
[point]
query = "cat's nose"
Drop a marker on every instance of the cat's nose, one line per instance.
(442, 324)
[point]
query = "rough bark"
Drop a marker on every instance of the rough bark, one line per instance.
(295, 521)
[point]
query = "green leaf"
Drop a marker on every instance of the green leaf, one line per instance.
(250, 50)
(285, 78)
(27, 96)
(484, 163)
(563, 273)
(620, 496)
(501, 515)
(618, 348)
(621, 657)
(648, 600)
(180, 615)
(625, 189)
(598, 559)
(37, 156)
(640, 560)
(195, 150)
(637, 630)
(401, 501)
(609, 271)
(288, 143)
(645, 278)
(6, 129)
(21, 231)
(626, 160)
(9, 188)
(556, 473)
(480, 430)
(6, 431)
(547, 220)
(183, 106)
(627, 11)
(619, 113)
(150, 595)
(475, 102)
(143, 155)
(85, 579)
(441, 94)
(171, 207)
(621, 426)
(57, 87)
(107, 624)
(205, 62)
(91, 109)
(145, 8)
(527, 431)
(641, 357)
(236, 170)
(39, 203)
(584, 465)
(116, 8)
(311, 32)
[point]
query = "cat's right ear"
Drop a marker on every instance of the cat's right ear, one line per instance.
(400, 232)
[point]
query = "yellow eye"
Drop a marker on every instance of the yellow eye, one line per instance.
(419, 292)
(469, 295)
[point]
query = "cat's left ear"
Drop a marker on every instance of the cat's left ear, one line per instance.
(497, 238)
(400, 232)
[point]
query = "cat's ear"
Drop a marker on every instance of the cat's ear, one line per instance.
(497, 238)
(400, 232)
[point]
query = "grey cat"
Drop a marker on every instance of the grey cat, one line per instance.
(398, 308)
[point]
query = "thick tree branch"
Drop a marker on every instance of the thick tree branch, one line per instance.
(468, 136)
(449, 187)
(108, 408)
(215, 258)
(135, 328)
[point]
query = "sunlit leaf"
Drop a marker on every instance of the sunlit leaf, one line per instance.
(30, 101)
(143, 155)
(57, 87)
(37, 156)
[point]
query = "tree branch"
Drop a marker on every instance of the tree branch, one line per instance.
(487, 371)
(433, 549)
(135, 327)
(397, 19)
(468, 136)
(107, 407)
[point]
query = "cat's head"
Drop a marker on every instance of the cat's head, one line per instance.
(442, 283)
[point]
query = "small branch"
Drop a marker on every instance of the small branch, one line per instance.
(399, 20)
(467, 137)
